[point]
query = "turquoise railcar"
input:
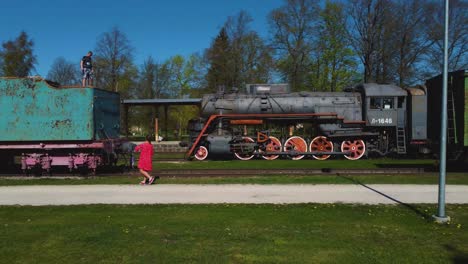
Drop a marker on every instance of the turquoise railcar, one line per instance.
(33, 109)
(48, 125)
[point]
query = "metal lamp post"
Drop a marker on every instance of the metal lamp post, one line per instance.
(441, 217)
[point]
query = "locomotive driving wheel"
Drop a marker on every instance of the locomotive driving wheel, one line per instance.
(355, 149)
(321, 143)
(296, 144)
(274, 145)
(201, 153)
(242, 156)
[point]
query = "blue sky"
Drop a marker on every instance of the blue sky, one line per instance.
(158, 28)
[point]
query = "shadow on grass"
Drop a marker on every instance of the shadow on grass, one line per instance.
(451, 166)
(458, 257)
(455, 166)
(425, 216)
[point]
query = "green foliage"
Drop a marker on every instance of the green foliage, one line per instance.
(294, 31)
(180, 116)
(17, 56)
(332, 64)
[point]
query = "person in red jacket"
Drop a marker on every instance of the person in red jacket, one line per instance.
(145, 164)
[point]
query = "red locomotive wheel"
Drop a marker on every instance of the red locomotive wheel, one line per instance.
(273, 146)
(356, 149)
(297, 144)
(321, 143)
(201, 153)
(245, 156)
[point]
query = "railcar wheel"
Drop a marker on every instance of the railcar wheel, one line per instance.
(273, 146)
(245, 156)
(321, 143)
(356, 149)
(297, 144)
(201, 153)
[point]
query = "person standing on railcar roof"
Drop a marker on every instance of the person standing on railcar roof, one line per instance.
(145, 164)
(86, 67)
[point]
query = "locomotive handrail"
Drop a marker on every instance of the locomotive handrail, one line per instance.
(354, 122)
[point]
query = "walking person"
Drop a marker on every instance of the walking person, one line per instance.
(86, 67)
(145, 163)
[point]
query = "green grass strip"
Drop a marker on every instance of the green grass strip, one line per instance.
(433, 178)
(299, 164)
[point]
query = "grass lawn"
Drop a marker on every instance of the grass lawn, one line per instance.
(300, 164)
(433, 178)
(309, 233)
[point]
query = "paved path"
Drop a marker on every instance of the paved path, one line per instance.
(231, 193)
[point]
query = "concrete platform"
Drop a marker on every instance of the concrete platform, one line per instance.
(231, 193)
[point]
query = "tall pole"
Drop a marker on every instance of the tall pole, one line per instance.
(441, 216)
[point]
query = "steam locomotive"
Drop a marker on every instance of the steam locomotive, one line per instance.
(269, 121)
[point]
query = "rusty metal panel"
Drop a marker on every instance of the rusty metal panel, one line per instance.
(106, 114)
(33, 110)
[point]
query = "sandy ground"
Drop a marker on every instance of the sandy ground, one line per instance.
(230, 193)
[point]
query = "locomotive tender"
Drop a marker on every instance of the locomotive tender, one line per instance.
(270, 122)
(48, 125)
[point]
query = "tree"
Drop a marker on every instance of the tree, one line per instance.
(220, 72)
(250, 58)
(371, 35)
(146, 84)
(64, 72)
(195, 70)
(237, 56)
(293, 28)
(114, 69)
(332, 64)
(145, 89)
(458, 36)
(410, 43)
(17, 56)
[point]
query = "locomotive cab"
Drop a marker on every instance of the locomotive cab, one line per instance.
(385, 105)
(385, 113)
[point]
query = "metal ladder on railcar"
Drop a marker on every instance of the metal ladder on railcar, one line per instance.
(451, 124)
(401, 140)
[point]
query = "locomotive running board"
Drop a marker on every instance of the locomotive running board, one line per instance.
(316, 153)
